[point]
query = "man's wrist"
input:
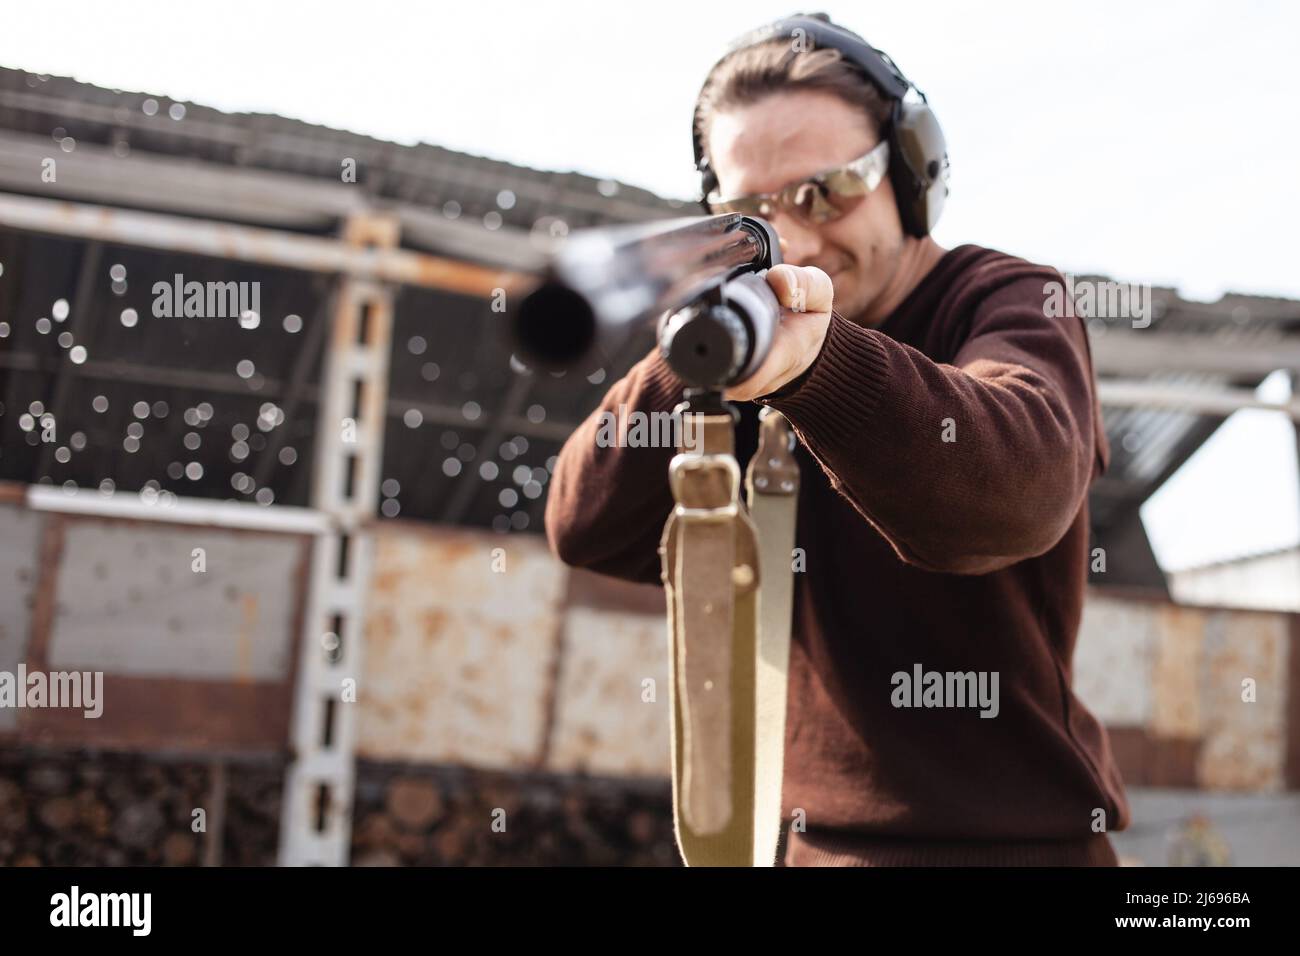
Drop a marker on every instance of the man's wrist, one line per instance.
(843, 387)
(792, 387)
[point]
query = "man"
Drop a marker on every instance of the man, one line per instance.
(948, 433)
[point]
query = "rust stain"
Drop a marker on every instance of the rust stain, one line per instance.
(381, 627)
(1176, 700)
(461, 277)
(244, 641)
(434, 622)
(386, 582)
(1291, 773)
(343, 332)
(45, 597)
(167, 714)
(455, 549)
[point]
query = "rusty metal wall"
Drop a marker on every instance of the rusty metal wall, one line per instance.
(612, 699)
(483, 651)
(1112, 660)
(1245, 741)
(478, 652)
(129, 602)
(191, 660)
(522, 668)
(1180, 679)
(459, 657)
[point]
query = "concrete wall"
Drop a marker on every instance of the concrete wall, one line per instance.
(1269, 581)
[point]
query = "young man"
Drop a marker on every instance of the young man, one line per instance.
(948, 433)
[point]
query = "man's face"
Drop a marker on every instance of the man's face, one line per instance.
(786, 137)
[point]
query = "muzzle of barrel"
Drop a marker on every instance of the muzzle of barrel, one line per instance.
(714, 344)
(554, 327)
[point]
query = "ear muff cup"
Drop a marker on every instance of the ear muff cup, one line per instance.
(919, 169)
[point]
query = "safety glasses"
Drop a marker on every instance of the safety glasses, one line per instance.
(818, 199)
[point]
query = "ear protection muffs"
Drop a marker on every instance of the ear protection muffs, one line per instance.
(918, 165)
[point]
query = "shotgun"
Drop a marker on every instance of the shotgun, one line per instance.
(728, 653)
(702, 277)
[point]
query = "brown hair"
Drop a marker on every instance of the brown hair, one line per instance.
(776, 66)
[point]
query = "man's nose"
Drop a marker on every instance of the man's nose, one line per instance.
(800, 243)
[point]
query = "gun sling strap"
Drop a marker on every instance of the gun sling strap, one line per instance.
(729, 638)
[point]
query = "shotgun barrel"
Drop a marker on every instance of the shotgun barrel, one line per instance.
(702, 277)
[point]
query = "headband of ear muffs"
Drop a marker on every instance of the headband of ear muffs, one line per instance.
(918, 165)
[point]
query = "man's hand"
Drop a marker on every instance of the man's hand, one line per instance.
(805, 294)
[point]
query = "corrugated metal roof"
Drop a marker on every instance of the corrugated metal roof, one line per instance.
(463, 185)
(1150, 444)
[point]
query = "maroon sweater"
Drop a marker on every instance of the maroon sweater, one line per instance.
(946, 457)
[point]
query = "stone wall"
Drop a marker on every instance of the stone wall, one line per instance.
(95, 808)
(427, 816)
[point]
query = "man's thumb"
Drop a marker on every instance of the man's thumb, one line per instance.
(801, 288)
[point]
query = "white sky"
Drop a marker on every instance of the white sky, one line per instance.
(1238, 494)
(1152, 142)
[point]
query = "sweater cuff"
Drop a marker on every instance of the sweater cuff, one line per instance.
(832, 399)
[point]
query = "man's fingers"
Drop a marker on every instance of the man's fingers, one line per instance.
(801, 288)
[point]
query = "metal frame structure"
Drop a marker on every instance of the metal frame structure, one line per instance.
(365, 245)
(355, 335)
(316, 822)
(266, 191)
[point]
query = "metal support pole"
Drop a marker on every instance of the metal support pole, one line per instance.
(1196, 400)
(316, 818)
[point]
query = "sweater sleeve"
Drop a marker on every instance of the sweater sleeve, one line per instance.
(606, 506)
(966, 467)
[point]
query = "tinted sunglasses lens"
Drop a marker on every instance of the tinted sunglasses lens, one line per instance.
(819, 200)
(806, 200)
(845, 189)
